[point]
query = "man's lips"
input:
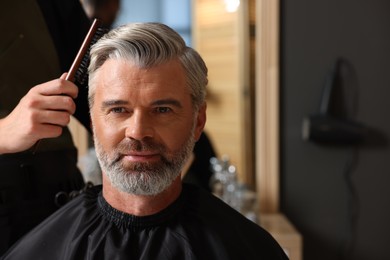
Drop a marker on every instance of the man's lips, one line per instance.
(145, 156)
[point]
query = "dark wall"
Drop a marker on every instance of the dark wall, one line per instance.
(338, 196)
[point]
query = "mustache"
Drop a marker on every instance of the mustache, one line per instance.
(130, 145)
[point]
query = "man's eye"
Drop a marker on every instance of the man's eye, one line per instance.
(117, 110)
(163, 110)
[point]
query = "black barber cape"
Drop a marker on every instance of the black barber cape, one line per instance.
(196, 226)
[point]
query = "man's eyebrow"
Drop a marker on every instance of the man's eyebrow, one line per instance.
(114, 102)
(169, 101)
(160, 102)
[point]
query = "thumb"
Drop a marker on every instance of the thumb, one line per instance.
(63, 76)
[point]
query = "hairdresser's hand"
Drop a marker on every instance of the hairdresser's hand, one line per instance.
(41, 113)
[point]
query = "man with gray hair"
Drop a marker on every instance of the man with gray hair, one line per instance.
(147, 104)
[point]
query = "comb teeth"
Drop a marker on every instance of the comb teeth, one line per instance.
(81, 75)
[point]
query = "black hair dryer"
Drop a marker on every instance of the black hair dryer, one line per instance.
(326, 128)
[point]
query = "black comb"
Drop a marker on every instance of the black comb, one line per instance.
(78, 72)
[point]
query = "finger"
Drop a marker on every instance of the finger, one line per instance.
(68, 88)
(57, 87)
(49, 131)
(40, 103)
(59, 103)
(56, 118)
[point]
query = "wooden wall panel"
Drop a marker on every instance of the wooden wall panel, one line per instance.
(221, 39)
(267, 105)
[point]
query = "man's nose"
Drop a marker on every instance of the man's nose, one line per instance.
(140, 126)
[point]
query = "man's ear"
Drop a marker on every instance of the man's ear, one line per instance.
(200, 121)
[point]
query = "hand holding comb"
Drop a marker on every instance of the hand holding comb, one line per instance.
(78, 72)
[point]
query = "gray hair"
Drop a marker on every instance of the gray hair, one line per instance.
(148, 45)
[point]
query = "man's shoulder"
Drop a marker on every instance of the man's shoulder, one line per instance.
(234, 232)
(52, 235)
(215, 212)
(82, 204)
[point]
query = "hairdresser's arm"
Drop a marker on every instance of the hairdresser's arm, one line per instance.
(41, 113)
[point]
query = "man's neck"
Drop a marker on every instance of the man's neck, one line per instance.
(140, 205)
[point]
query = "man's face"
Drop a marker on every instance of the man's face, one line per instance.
(144, 125)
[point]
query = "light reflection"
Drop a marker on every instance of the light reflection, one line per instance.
(231, 5)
